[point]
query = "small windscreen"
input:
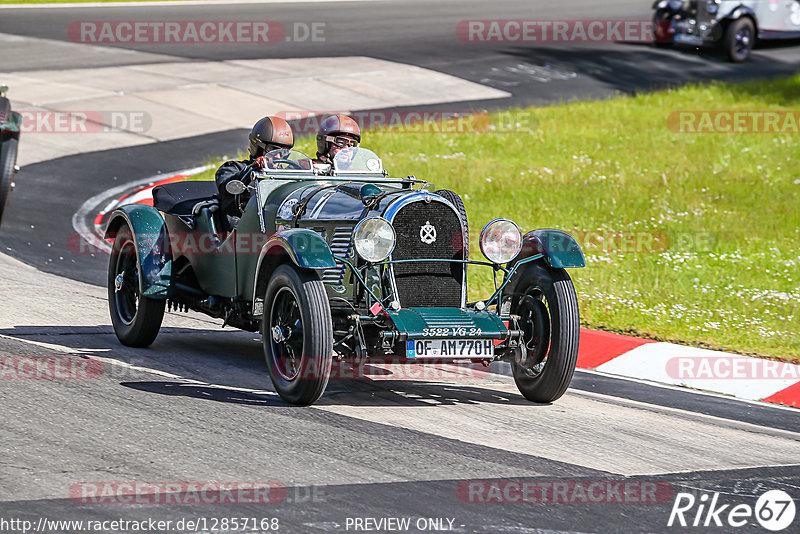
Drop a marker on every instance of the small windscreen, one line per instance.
(287, 161)
(357, 160)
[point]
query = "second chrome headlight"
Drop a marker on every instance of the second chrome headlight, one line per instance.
(501, 241)
(374, 239)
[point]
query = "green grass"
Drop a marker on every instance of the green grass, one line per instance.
(729, 206)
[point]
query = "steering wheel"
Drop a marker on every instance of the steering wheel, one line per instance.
(291, 163)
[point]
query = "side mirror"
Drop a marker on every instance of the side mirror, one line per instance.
(235, 187)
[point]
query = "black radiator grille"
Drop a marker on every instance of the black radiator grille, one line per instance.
(428, 284)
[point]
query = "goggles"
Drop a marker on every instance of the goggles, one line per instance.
(341, 141)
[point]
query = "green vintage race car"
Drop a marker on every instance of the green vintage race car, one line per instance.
(346, 263)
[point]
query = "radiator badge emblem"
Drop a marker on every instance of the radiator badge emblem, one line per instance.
(427, 234)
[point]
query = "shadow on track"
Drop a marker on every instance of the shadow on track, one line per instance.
(637, 67)
(229, 363)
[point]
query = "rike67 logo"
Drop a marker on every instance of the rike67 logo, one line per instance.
(774, 510)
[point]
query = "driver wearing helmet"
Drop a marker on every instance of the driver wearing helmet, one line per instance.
(336, 133)
(270, 133)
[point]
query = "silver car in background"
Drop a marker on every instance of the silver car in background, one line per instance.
(735, 25)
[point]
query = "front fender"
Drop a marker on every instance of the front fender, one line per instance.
(306, 249)
(739, 12)
(152, 247)
(561, 250)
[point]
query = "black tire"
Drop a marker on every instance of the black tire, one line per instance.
(136, 319)
(455, 199)
(546, 300)
(8, 158)
(660, 22)
(300, 363)
(740, 36)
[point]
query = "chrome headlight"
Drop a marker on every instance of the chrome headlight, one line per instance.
(712, 6)
(374, 239)
(501, 241)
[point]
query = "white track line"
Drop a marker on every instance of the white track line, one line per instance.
(132, 367)
(689, 390)
(168, 3)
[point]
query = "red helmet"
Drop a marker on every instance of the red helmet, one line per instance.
(336, 126)
(270, 133)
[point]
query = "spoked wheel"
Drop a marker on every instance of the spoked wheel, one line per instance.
(297, 334)
(545, 300)
(739, 39)
(136, 319)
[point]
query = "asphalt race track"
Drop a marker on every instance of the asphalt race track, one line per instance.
(198, 405)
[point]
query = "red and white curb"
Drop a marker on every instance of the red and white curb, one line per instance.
(742, 377)
(90, 219)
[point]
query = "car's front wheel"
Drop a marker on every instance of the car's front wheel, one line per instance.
(136, 319)
(545, 300)
(740, 37)
(297, 334)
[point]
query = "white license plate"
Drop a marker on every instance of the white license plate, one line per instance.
(689, 39)
(450, 348)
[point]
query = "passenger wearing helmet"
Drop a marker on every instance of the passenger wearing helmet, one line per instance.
(270, 133)
(336, 133)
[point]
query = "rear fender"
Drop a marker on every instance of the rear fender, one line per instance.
(152, 247)
(11, 124)
(560, 250)
(305, 248)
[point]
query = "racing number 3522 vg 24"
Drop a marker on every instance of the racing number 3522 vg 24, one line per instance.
(353, 265)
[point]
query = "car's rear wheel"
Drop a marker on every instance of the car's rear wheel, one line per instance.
(740, 36)
(8, 158)
(136, 319)
(297, 334)
(546, 302)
